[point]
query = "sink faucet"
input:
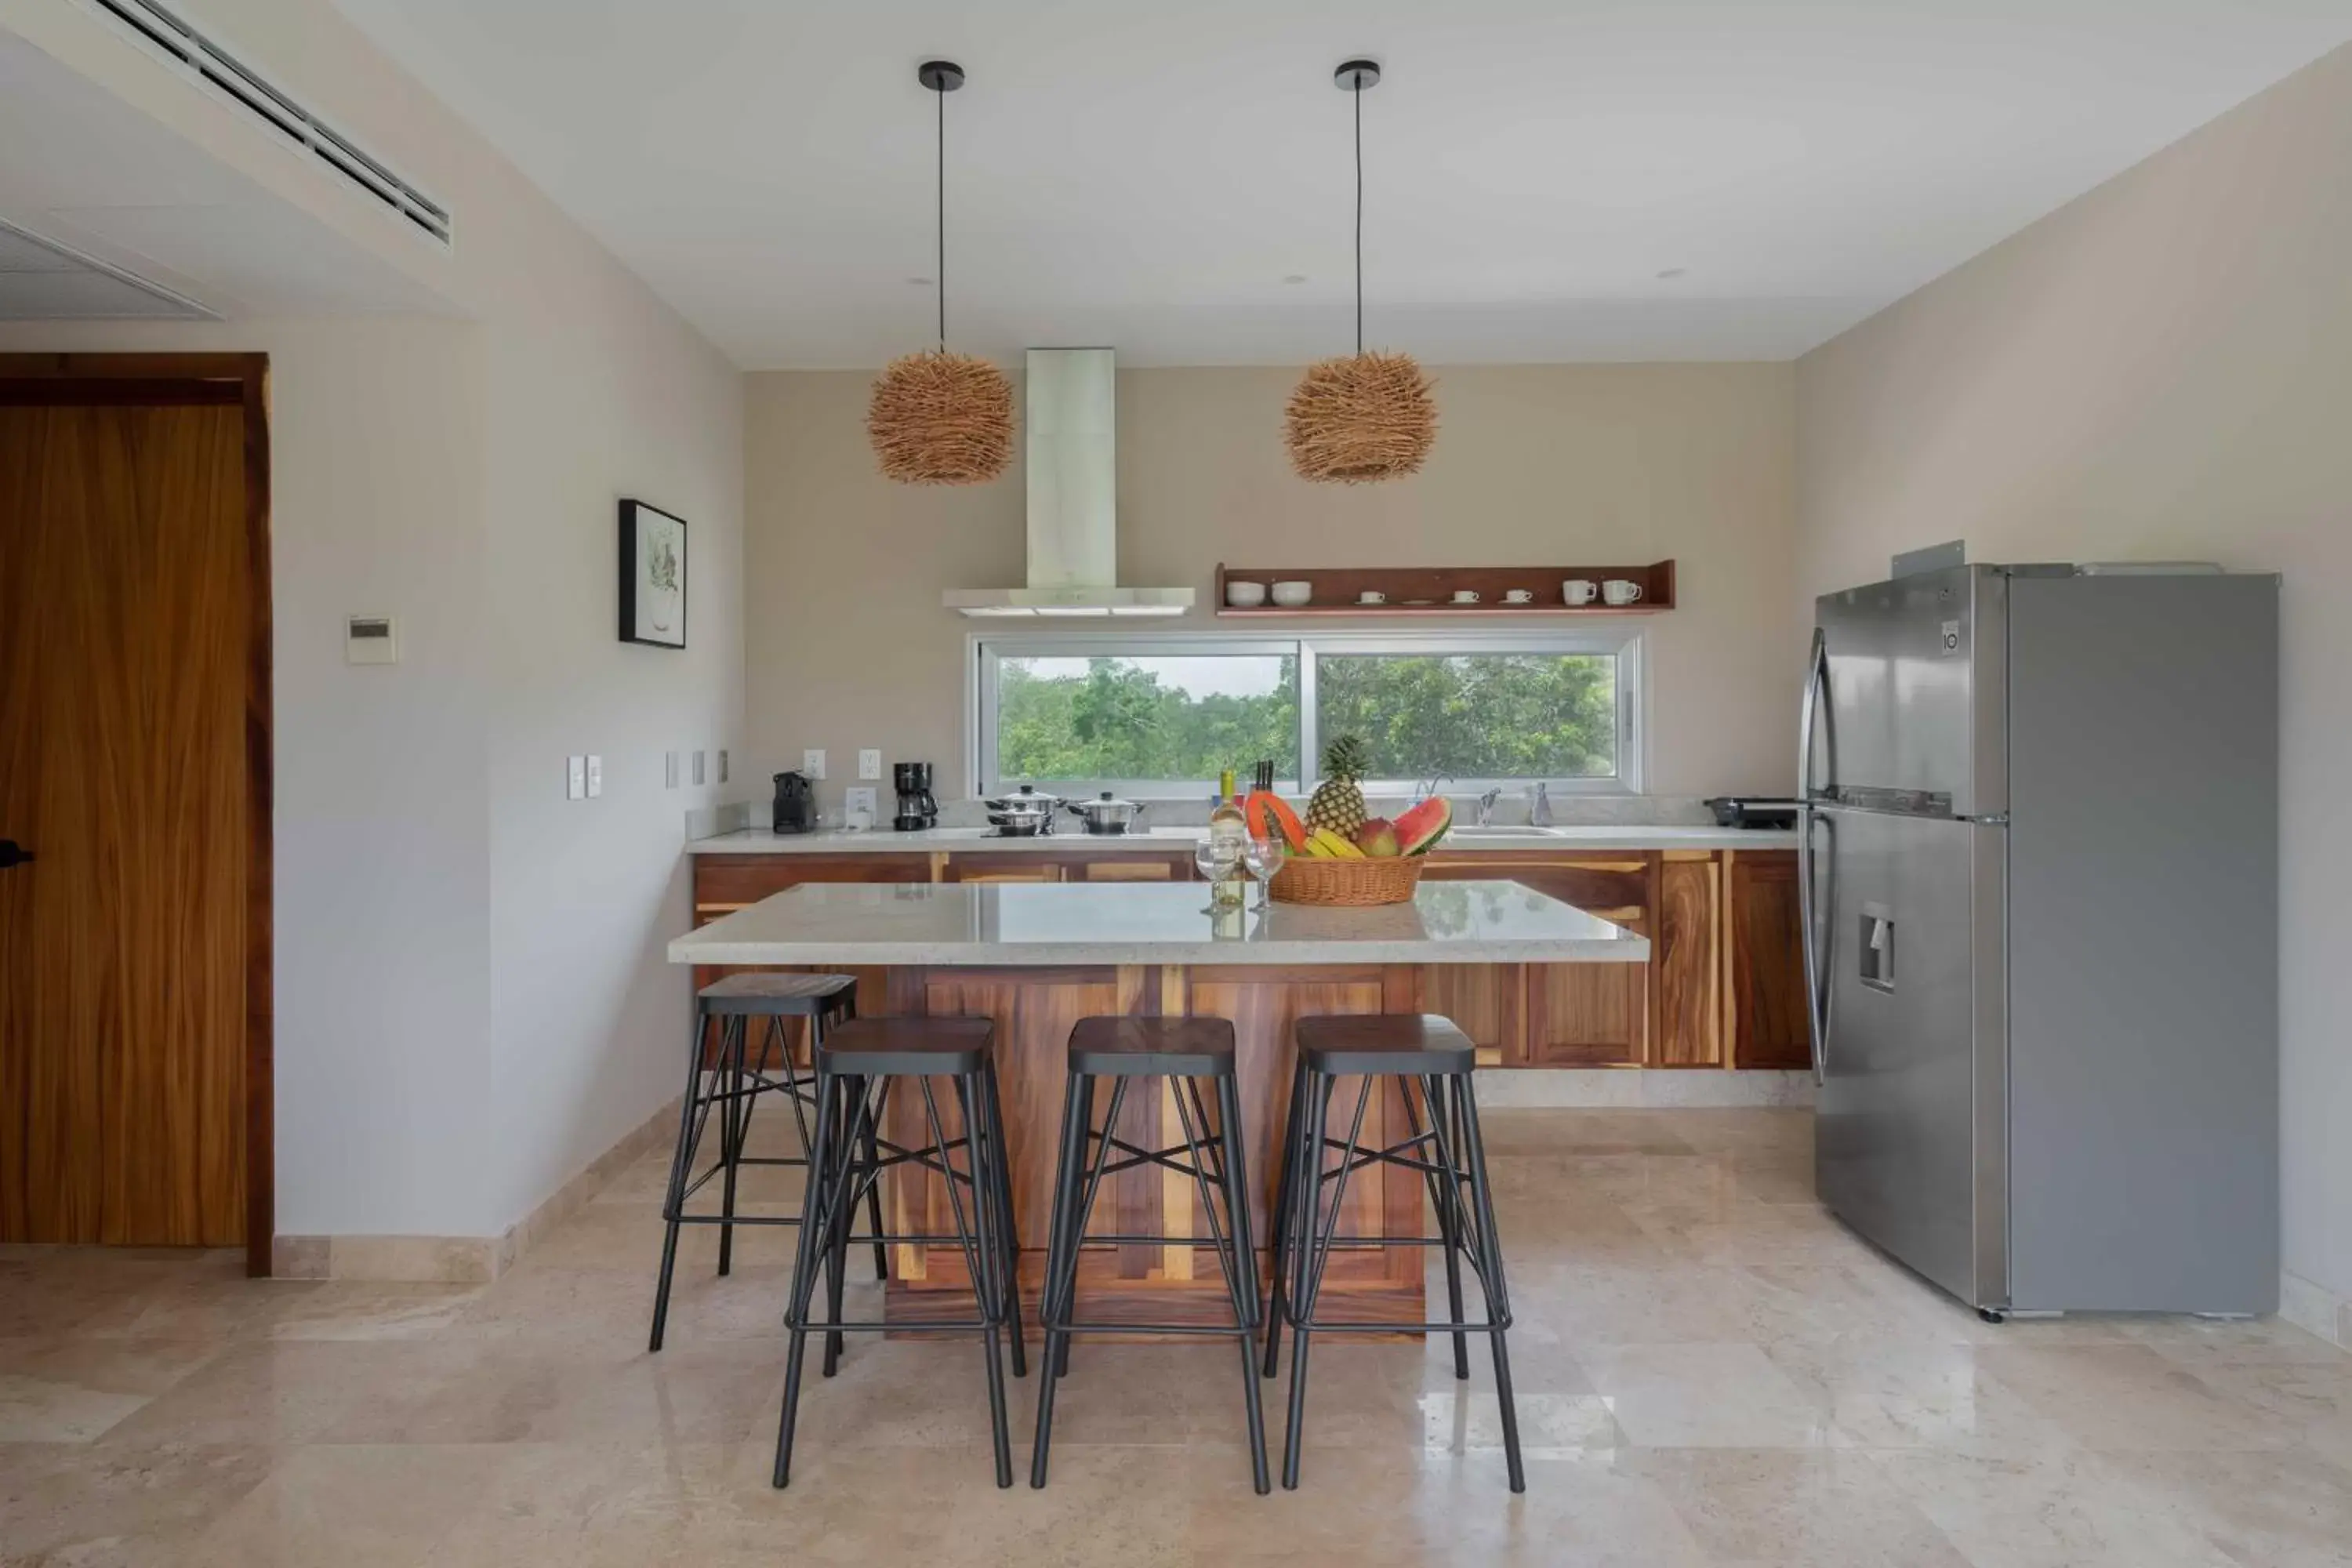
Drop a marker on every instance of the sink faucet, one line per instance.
(1422, 792)
(1539, 808)
(1486, 805)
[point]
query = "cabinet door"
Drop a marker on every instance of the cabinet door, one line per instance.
(1136, 867)
(1485, 1001)
(1590, 1014)
(1767, 961)
(1686, 962)
(725, 883)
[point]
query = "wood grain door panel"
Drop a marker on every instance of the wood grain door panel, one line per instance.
(1685, 965)
(126, 620)
(1769, 1026)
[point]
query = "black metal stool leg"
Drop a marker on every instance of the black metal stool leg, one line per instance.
(1306, 1194)
(681, 1171)
(860, 1111)
(1285, 1199)
(1061, 1263)
(1432, 1089)
(1008, 1233)
(812, 1214)
(1236, 1258)
(731, 1035)
(972, 1236)
(1315, 1244)
(1089, 1191)
(1498, 1299)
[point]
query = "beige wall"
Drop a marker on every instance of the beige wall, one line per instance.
(471, 1000)
(2162, 369)
(1534, 465)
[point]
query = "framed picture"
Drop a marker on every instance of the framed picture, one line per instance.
(653, 576)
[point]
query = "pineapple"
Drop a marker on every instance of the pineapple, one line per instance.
(1339, 801)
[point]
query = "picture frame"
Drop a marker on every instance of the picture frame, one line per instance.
(652, 580)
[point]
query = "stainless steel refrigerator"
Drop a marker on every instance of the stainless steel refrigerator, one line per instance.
(2040, 878)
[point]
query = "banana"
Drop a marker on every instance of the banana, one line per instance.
(1329, 843)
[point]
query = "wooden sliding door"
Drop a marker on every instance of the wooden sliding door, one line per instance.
(133, 771)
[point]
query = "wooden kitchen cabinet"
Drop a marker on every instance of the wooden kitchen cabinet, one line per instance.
(1765, 963)
(1686, 961)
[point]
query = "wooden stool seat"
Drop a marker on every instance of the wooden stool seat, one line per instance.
(1152, 1048)
(921, 1048)
(1406, 1043)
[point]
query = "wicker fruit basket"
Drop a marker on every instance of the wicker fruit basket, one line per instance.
(1388, 881)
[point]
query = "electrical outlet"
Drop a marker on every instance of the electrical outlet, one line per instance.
(854, 798)
(722, 765)
(813, 763)
(869, 764)
(669, 770)
(596, 775)
(575, 778)
(698, 769)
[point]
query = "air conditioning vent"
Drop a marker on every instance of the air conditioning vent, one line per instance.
(194, 54)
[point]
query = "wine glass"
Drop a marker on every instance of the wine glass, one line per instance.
(1264, 858)
(1216, 857)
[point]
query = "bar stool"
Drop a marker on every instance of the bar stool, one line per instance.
(858, 1067)
(1427, 1053)
(732, 1085)
(1185, 1051)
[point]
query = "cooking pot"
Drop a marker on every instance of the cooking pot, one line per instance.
(1105, 814)
(1021, 824)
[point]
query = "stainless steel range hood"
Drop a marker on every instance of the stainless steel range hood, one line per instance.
(1072, 458)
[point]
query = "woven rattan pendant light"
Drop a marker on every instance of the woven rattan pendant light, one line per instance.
(1362, 417)
(939, 419)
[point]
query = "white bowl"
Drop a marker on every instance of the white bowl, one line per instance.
(1293, 594)
(1245, 595)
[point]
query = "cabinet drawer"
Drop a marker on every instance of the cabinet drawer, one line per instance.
(725, 883)
(1597, 882)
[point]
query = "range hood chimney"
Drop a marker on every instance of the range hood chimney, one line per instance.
(1071, 449)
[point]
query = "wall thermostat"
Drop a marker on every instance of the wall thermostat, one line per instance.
(372, 639)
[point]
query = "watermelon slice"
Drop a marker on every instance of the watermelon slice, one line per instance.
(1270, 816)
(1424, 825)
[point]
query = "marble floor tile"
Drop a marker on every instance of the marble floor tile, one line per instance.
(1711, 1372)
(54, 1389)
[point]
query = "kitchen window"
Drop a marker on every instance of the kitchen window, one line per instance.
(1158, 716)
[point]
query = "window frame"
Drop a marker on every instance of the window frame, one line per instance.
(985, 650)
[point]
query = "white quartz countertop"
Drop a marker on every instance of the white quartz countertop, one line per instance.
(1026, 924)
(1462, 840)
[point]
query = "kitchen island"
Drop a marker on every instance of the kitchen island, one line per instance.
(1037, 957)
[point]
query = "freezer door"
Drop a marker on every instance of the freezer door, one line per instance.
(1909, 1144)
(1911, 686)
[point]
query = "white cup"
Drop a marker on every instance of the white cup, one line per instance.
(1245, 595)
(1294, 593)
(1371, 596)
(1621, 591)
(1466, 595)
(1579, 591)
(1519, 597)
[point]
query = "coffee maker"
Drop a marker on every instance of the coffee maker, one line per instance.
(795, 807)
(918, 806)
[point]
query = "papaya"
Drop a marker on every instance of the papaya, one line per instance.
(1270, 816)
(1424, 825)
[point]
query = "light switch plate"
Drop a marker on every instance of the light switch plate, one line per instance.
(869, 764)
(813, 763)
(698, 769)
(669, 770)
(596, 775)
(575, 778)
(722, 765)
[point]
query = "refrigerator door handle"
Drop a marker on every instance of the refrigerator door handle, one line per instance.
(1814, 936)
(1817, 671)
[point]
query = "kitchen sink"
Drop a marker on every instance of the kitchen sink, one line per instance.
(1500, 833)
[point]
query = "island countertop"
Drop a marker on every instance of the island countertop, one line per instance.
(1002, 924)
(1462, 840)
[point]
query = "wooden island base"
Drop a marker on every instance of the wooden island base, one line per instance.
(1034, 1009)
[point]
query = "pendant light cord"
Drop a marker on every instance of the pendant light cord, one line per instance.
(1359, 95)
(942, 97)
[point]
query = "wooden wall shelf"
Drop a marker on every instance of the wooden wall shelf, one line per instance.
(1430, 589)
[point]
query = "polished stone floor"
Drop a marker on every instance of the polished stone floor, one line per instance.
(1710, 1371)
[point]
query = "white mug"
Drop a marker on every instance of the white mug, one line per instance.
(1466, 595)
(1519, 597)
(1621, 591)
(1579, 591)
(1371, 596)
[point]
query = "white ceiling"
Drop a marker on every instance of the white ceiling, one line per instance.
(1147, 176)
(81, 169)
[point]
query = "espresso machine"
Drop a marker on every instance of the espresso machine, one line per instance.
(918, 806)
